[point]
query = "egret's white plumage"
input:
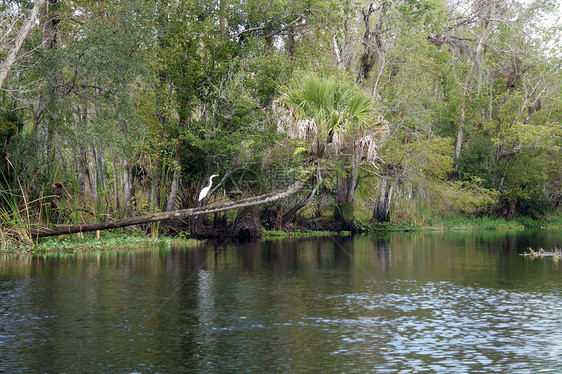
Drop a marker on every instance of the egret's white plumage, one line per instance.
(205, 191)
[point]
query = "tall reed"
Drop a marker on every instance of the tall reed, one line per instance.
(15, 221)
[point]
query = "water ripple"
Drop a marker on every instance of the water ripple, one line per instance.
(443, 327)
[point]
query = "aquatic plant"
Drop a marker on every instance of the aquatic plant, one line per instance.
(555, 254)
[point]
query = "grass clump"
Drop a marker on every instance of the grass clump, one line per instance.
(388, 227)
(550, 221)
(458, 222)
(15, 221)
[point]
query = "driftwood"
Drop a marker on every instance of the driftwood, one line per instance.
(155, 217)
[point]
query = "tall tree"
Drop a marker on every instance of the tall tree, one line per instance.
(336, 121)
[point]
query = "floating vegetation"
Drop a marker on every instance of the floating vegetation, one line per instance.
(555, 254)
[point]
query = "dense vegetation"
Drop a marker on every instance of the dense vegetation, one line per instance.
(394, 111)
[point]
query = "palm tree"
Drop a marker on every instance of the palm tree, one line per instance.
(337, 121)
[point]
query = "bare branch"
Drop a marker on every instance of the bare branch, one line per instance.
(267, 24)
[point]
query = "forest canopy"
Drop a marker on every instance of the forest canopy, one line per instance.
(399, 110)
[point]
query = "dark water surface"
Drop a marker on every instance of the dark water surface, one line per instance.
(453, 302)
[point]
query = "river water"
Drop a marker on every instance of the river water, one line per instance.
(423, 302)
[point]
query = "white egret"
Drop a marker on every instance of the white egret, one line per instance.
(205, 191)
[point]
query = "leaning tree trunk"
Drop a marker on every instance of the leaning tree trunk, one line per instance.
(178, 214)
(290, 214)
(20, 38)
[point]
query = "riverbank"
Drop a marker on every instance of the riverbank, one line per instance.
(456, 223)
(131, 239)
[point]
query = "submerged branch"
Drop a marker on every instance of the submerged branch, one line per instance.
(556, 254)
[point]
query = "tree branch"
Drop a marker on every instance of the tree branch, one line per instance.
(267, 24)
(11, 58)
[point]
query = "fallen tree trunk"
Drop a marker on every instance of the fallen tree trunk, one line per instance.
(155, 217)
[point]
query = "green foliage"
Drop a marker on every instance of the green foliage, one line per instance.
(422, 168)
(461, 197)
(476, 160)
(10, 125)
(345, 209)
(332, 103)
(461, 222)
(533, 203)
(380, 227)
(15, 219)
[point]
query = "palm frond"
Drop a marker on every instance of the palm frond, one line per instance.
(331, 110)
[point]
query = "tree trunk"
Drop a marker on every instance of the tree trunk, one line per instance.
(352, 180)
(343, 52)
(339, 214)
(100, 176)
(100, 180)
(178, 214)
(45, 111)
(466, 87)
(345, 197)
(20, 38)
(223, 23)
(116, 184)
(290, 214)
(84, 180)
(345, 193)
(372, 41)
(173, 191)
(154, 181)
(290, 46)
(381, 213)
(49, 23)
(128, 189)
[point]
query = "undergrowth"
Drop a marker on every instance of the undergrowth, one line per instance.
(120, 240)
(474, 223)
(387, 227)
(299, 233)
